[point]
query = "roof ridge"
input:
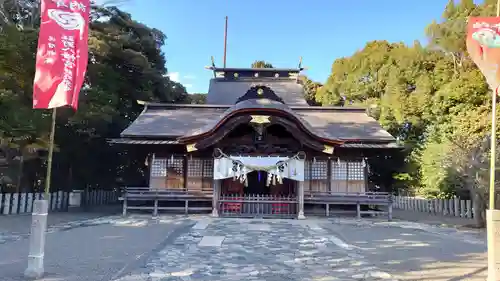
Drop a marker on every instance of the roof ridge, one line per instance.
(223, 106)
(295, 69)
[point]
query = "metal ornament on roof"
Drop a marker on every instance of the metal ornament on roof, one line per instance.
(260, 119)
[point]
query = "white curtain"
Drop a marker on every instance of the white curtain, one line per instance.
(293, 168)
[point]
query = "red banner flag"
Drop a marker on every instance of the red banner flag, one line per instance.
(61, 59)
(483, 45)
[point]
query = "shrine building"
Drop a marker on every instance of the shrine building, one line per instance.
(256, 148)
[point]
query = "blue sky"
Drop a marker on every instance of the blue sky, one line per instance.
(277, 31)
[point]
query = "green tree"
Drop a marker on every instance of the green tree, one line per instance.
(126, 64)
(197, 98)
(261, 64)
(433, 98)
(310, 89)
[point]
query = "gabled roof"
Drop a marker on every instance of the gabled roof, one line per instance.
(231, 83)
(236, 95)
(169, 121)
(227, 92)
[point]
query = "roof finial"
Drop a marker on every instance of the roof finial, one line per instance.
(213, 66)
(213, 61)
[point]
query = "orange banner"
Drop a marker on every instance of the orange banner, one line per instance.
(483, 45)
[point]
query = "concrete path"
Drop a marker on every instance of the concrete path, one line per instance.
(416, 251)
(451, 221)
(175, 248)
(21, 223)
(100, 249)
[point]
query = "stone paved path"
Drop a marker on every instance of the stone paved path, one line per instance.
(175, 248)
(317, 249)
(271, 250)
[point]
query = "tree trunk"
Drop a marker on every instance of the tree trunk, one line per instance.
(20, 173)
(479, 209)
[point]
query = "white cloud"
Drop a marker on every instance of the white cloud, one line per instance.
(174, 76)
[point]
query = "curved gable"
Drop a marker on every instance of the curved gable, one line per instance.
(260, 92)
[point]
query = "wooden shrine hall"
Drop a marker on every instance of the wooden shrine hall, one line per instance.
(256, 149)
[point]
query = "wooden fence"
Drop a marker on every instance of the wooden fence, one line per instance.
(19, 203)
(250, 205)
(454, 207)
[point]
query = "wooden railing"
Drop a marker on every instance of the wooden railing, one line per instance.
(358, 199)
(256, 205)
(145, 195)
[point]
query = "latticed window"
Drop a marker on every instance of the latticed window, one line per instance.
(342, 169)
(319, 170)
(199, 175)
(208, 168)
(356, 171)
(159, 167)
(175, 172)
(195, 168)
(339, 170)
(201, 168)
(175, 165)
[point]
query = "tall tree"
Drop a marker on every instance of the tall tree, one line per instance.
(126, 64)
(310, 89)
(434, 99)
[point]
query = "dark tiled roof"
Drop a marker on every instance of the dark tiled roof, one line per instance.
(134, 141)
(346, 125)
(170, 121)
(254, 104)
(222, 91)
(246, 69)
(348, 145)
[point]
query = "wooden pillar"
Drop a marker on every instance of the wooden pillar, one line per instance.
(365, 175)
(300, 196)
(124, 210)
(389, 211)
(215, 199)
(329, 174)
(185, 172)
(358, 211)
(155, 208)
(347, 175)
(151, 161)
